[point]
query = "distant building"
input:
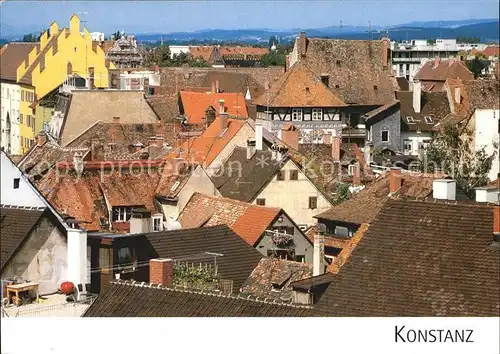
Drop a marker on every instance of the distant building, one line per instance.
(125, 53)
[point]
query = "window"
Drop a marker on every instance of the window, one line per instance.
(16, 183)
(22, 95)
(428, 119)
(337, 63)
(296, 114)
(122, 213)
(350, 170)
(337, 86)
(290, 230)
(294, 175)
(410, 119)
(325, 80)
(21, 118)
(313, 202)
(317, 114)
(385, 136)
(157, 226)
(375, 87)
(407, 145)
(75, 49)
(125, 257)
(261, 201)
(280, 176)
(300, 258)
(104, 260)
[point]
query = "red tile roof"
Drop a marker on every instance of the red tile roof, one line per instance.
(492, 50)
(299, 87)
(195, 104)
(247, 220)
(205, 148)
(442, 69)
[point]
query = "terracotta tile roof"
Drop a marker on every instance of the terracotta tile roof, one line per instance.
(299, 87)
(245, 183)
(173, 172)
(237, 263)
(11, 56)
(272, 278)
(203, 52)
(15, 225)
(243, 50)
(364, 206)
(122, 299)
(440, 70)
(347, 249)
(492, 50)
(194, 105)
(206, 147)
(249, 221)
(433, 104)
(420, 259)
(86, 197)
(348, 61)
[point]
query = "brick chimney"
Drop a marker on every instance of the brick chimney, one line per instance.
(496, 223)
(336, 148)
(41, 139)
(161, 271)
(395, 181)
(217, 86)
(290, 135)
(222, 117)
(327, 138)
(302, 43)
(356, 175)
(258, 136)
(385, 52)
(250, 148)
(213, 90)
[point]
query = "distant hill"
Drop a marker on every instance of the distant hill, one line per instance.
(444, 24)
(487, 31)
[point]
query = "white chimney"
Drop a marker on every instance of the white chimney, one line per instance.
(457, 95)
(417, 96)
(319, 250)
(140, 223)
(250, 148)
(77, 256)
(487, 195)
(258, 136)
(444, 189)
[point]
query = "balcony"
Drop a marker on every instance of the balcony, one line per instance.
(407, 60)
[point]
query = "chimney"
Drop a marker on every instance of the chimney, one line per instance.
(217, 86)
(209, 115)
(496, 223)
(395, 181)
(258, 136)
(458, 94)
(417, 96)
(91, 78)
(336, 148)
(250, 148)
(156, 141)
(214, 90)
(78, 162)
(356, 175)
(161, 271)
(444, 189)
(140, 222)
(302, 43)
(41, 139)
(290, 135)
(487, 195)
(437, 60)
(319, 250)
(77, 256)
(385, 52)
(327, 138)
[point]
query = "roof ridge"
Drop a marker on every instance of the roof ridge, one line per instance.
(208, 293)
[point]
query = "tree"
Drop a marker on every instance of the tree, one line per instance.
(477, 65)
(30, 38)
(451, 153)
(341, 193)
(116, 35)
(163, 56)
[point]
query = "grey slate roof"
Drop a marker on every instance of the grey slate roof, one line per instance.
(420, 259)
(15, 225)
(124, 299)
(244, 183)
(237, 263)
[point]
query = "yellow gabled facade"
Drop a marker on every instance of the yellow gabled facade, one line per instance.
(27, 126)
(63, 52)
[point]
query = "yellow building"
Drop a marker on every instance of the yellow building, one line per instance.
(63, 56)
(27, 126)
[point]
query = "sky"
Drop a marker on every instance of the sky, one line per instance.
(182, 15)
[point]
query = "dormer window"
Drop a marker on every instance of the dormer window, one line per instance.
(428, 119)
(410, 119)
(325, 80)
(337, 86)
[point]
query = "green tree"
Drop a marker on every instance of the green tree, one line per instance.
(30, 38)
(116, 35)
(341, 193)
(163, 56)
(451, 153)
(477, 65)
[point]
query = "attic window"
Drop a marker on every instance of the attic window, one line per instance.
(410, 119)
(338, 63)
(375, 87)
(325, 80)
(175, 186)
(16, 183)
(428, 119)
(308, 91)
(337, 86)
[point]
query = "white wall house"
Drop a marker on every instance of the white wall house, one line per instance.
(415, 141)
(487, 136)
(178, 49)
(10, 106)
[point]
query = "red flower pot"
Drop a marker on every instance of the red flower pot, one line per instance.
(67, 287)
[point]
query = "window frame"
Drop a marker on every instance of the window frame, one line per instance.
(158, 219)
(123, 214)
(428, 120)
(294, 175)
(382, 136)
(297, 115)
(317, 114)
(17, 182)
(281, 175)
(313, 202)
(260, 201)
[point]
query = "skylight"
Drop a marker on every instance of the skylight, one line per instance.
(175, 186)
(428, 119)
